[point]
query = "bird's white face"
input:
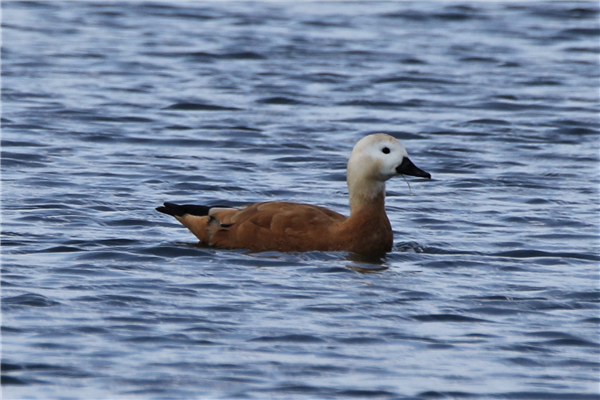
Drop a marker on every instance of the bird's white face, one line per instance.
(378, 156)
(375, 159)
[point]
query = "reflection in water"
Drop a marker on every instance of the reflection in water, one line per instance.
(365, 268)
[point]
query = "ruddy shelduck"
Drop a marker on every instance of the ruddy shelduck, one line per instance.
(295, 227)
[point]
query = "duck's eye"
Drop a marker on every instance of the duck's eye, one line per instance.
(385, 150)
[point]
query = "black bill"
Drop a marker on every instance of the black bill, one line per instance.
(408, 168)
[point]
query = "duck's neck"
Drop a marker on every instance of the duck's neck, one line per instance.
(367, 197)
(368, 225)
(368, 228)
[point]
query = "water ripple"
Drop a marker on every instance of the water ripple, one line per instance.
(111, 108)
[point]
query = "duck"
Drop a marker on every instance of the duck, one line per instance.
(297, 227)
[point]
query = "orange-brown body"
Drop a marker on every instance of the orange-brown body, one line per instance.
(283, 226)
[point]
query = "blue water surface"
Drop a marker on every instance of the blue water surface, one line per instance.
(110, 108)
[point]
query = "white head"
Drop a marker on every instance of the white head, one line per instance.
(375, 159)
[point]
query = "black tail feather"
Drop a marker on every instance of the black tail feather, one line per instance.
(177, 210)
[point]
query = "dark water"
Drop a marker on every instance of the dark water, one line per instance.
(110, 108)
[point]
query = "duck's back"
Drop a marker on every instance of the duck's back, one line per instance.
(280, 226)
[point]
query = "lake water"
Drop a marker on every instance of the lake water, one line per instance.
(110, 108)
